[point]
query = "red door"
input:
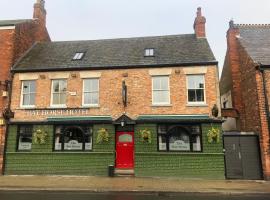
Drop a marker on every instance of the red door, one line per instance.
(124, 150)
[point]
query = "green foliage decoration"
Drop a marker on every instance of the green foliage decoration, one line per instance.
(102, 136)
(146, 135)
(213, 135)
(40, 137)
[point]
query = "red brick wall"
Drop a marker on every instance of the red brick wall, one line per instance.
(139, 83)
(248, 95)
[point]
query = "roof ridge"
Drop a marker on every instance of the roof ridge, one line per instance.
(124, 38)
(252, 25)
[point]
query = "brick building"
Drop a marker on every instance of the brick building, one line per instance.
(144, 105)
(16, 37)
(244, 88)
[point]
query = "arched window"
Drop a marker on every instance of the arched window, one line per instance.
(73, 138)
(179, 138)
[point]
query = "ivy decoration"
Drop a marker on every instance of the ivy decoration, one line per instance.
(213, 135)
(146, 135)
(102, 135)
(40, 137)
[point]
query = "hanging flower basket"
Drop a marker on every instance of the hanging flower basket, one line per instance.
(146, 135)
(213, 135)
(102, 136)
(40, 137)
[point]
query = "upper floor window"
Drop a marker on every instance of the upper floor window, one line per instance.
(91, 92)
(25, 137)
(196, 89)
(59, 88)
(78, 56)
(28, 93)
(149, 52)
(160, 90)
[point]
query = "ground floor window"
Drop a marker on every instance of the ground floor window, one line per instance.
(25, 137)
(70, 138)
(179, 138)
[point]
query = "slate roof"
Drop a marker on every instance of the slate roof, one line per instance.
(256, 40)
(14, 22)
(117, 53)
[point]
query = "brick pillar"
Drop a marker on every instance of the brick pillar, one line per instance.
(264, 135)
(2, 145)
(234, 63)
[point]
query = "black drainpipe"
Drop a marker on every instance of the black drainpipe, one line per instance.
(7, 121)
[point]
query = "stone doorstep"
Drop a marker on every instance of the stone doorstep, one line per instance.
(124, 172)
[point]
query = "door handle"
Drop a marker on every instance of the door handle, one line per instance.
(115, 154)
(239, 155)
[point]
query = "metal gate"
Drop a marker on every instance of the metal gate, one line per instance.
(242, 156)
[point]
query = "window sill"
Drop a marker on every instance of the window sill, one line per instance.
(58, 106)
(197, 105)
(161, 105)
(27, 107)
(90, 106)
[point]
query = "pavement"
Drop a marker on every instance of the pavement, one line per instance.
(133, 184)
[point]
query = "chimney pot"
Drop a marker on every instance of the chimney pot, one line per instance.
(199, 24)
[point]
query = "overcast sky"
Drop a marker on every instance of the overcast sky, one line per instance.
(99, 19)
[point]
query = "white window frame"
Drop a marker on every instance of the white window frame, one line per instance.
(149, 52)
(78, 56)
(57, 105)
(90, 105)
(196, 102)
(169, 99)
(21, 101)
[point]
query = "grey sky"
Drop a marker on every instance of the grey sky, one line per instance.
(98, 19)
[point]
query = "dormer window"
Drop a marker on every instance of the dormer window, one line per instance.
(78, 56)
(149, 52)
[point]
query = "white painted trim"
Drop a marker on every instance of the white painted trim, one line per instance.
(203, 103)
(90, 105)
(28, 76)
(160, 72)
(90, 74)
(195, 70)
(7, 27)
(59, 75)
(162, 103)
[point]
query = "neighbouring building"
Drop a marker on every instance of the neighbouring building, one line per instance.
(245, 87)
(16, 37)
(145, 105)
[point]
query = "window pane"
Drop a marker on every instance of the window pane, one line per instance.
(55, 86)
(25, 138)
(63, 85)
(191, 82)
(164, 83)
(26, 87)
(87, 99)
(94, 98)
(191, 95)
(156, 83)
(162, 142)
(160, 96)
(88, 142)
(55, 98)
(73, 139)
(125, 138)
(32, 86)
(26, 99)
(62, 98)
(200, 95)
(196, 144)
(179, 141)
(86, 85)
(94, 85)
(32, 98)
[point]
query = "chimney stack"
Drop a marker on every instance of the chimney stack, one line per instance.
(40, 12)
(199, 24)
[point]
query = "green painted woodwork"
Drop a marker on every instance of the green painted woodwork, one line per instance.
(148, 161)
(206, 164)
(42, 159)
(172, 117)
